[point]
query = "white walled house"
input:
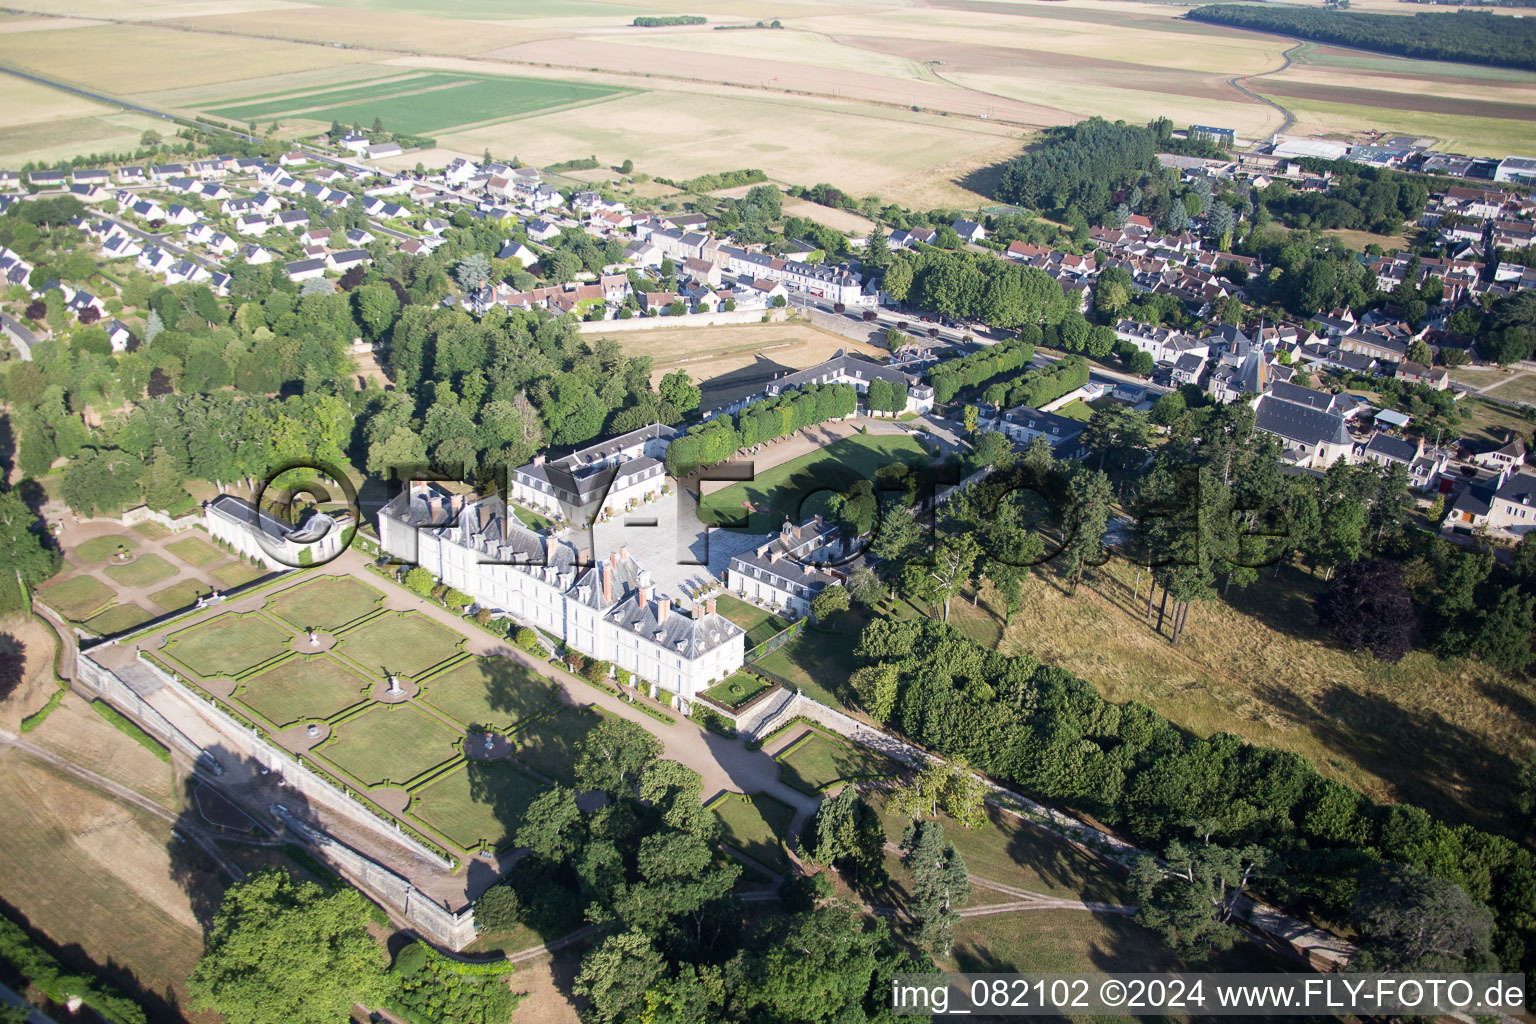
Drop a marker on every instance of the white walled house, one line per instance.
(783, 572)
(616, 472)
(279, 545)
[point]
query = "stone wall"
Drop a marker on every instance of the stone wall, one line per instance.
(652, 323)
(454, 930)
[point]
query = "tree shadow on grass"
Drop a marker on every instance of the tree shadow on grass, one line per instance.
(1060, 864)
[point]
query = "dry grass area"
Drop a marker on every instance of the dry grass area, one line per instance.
(736, 355)
(87, 870)
(837, 220)
(1477, 136)
(115, 58)
(77, 732)
(39, 123)
(36, 642)
(1519, 388)
(1439, 734)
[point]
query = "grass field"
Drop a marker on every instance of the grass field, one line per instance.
(736, 689)
(736, 360)
(783, 491)
(123, 904)
(497, 692)
(757, 826)
(77, 598)
(236, 574)
(324, 602)
(227, 645)
(549, 746)
(393, 744)
(303, 687)
(117, 619)
(759, 623)
(405, 643)
(1441, 734)
(195, 551)
(820, 662)
(478, 802)
(430, 103)
(100, 549)
(182, 594)
(1456, 133)
(142, 571)
(1519, 388)
(817, 763)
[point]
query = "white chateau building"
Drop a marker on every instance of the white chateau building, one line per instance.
(609, 611)
(623, 469)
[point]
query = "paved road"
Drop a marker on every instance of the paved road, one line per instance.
(1237, 81)
(22, 338)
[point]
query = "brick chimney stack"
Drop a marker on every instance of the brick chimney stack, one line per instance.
(550, 547)
(663, 609)
(624, 552)
(607, 572)
(709, 607)
(698, 610)
(643, 597)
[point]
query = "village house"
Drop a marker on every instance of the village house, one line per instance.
(848, 369)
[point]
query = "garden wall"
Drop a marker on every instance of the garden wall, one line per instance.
(652, 323)
(434, 921)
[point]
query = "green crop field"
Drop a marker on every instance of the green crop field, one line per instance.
(797, 488)
(284, 102)
(757, 826)
(477, 802)
(227, 645)
(497, 692)
(818, 762)
(325, 602)
(406, 643)
(425, 103)
(314, 686)
(142, 571)
(392, 744)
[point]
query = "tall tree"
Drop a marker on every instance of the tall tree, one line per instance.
(1191, 902)
(280, 950)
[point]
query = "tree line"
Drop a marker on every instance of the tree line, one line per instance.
(717, 439)
(1470, 37)
(952, 376)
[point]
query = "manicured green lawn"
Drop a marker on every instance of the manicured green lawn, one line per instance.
(117, 619)
(819, 762)
(820, 662)
(195, 551)
(304, 686)
(406, 643)
(390, 743)
(77, 598)
(736, 689)
(182, 594)
(99, 549)
(498, 692)
(236, 574)
(1076, 410)
(549, 747)
(800, 487)
(757, 826)
(325, 602)
(142, 571)
(532, 520)
(227, 645)
(481, 801)
(759, 623)
(151, 529)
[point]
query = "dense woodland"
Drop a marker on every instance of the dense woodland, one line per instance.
(1472, 37)
(1209, 502)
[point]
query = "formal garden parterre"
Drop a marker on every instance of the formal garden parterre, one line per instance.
(430, 745)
